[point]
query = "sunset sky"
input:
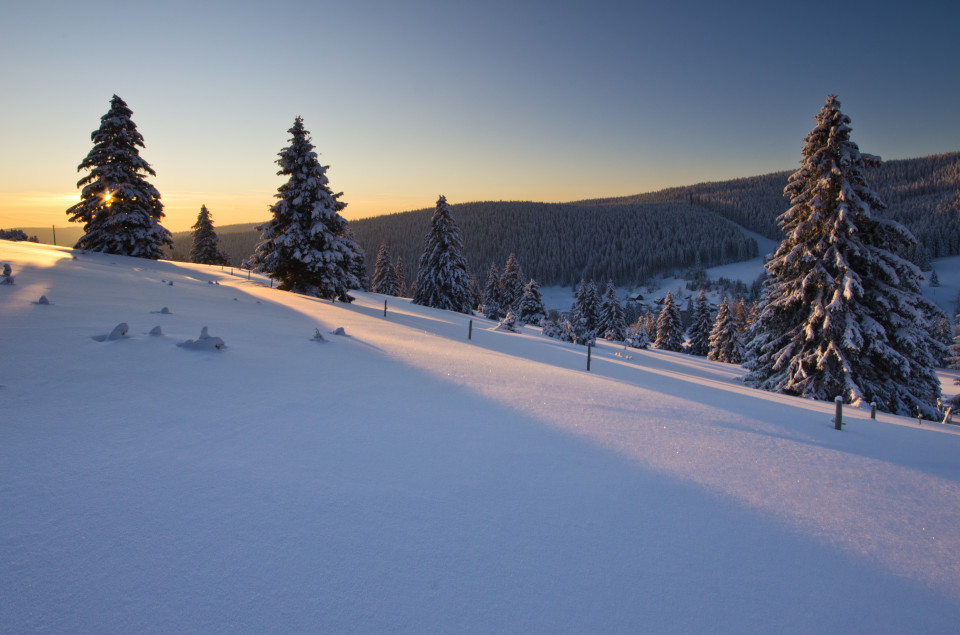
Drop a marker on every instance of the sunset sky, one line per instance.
(551, 101)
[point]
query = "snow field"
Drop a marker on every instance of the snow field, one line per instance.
(405, 479)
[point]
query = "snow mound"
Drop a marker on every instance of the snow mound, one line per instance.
(119, 332)
(205, 342)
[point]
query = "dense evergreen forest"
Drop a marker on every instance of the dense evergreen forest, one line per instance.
(629, 239)
(560, 243)
(923, 194)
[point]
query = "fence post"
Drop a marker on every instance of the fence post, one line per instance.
(838, 419)
(384, 308)
(589, 349)
(873, 409)
(470, 331)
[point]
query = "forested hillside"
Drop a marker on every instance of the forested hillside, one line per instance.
(558, 244)
(627, 239)
(923, 194)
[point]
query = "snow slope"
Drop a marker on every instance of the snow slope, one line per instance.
(402, 478)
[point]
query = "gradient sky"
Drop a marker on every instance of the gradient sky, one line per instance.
(406, 100)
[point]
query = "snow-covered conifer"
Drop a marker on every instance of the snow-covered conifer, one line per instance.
(119, 209)
(306, 246)
(206, 243)
(842, 312)
(549, 328)
(400, 282)
(584, 314)
(669, 326)
(384, 277)
(508, 323)
(701, 323)
(511, 284)
(611, 322)
(530, 309)
(725, 343)
(637, 335)
(954, 358)
(442, 279)
(492, 306)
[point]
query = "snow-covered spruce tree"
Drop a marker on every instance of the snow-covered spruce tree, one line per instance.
(585, 313)
(442, 279)
(511, 284)
(305, 246)
(476, 294)
(508, 323)
(701, 324)
(637, 335)
(842, 312)
(384, 277)
(530, 309)
(669, 326)
(612, 323)
(492, 307)
(954, 359)
(549, 328)
(400, 280)
(119, 209)
(206, 244)
(724, 342)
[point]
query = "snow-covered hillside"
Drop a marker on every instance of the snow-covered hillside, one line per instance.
(402, 478)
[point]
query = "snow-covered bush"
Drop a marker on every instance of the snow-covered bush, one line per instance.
(508, 323)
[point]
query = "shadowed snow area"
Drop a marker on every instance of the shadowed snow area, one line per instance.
(407, 479)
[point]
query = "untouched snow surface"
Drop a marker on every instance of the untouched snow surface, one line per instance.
(401, 478)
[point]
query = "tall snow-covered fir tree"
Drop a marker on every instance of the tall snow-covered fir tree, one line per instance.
(701, 322)
(384, 276)
(637, 335)
(585, 313)
(530, 309)
(442, 278)
(612, 324)
(492, 306)
(206, 243)
(119, 209)
(669, 326)
(400, 278)
(725, 343)
(511, 284)
(842, 311)
(306, 246)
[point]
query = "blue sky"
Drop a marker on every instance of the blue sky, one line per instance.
(549, 101)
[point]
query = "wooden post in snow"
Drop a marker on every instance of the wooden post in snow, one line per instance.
(873, 409)
(838, 419)
(589, 348)
(384, 308)
(470, 331)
